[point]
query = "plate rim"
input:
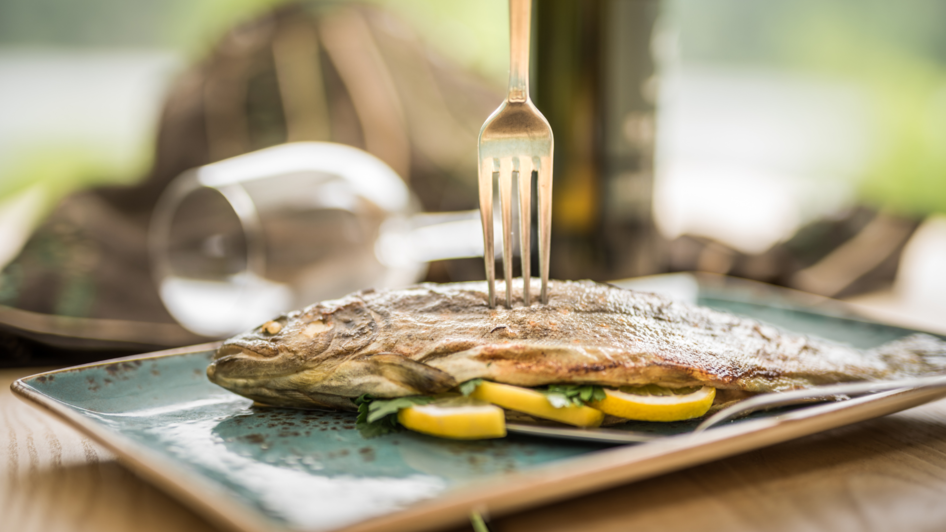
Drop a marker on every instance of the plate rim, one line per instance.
(498, 495)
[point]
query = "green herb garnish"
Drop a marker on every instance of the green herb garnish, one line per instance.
(478, 522)
(469, 386)
(562, 395)
(377, 417)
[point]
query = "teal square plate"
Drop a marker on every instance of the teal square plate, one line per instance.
(253, 469)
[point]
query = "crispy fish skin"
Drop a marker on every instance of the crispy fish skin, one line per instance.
(428, 338)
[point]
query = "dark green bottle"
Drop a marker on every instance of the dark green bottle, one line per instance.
(594, 79)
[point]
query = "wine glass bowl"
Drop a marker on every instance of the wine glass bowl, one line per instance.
(236, 242)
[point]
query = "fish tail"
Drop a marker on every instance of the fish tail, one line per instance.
(917, 354)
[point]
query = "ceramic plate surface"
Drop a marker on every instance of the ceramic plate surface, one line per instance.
(253, 468)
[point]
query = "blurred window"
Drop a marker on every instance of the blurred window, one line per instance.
(776, 113)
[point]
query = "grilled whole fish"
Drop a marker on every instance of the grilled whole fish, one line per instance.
(427, 339)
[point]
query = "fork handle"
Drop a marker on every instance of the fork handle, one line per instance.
(520, 20)
(794, 397)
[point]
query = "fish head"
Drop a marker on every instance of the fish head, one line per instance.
(323, 355)
(305, 344)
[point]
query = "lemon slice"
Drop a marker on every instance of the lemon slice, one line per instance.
(655, 403)
(536, 404)
(460, 418)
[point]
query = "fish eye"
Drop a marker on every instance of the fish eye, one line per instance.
(271, 327)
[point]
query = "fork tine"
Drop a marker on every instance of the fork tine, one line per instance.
(543, 166)
(486, 213)
(505, 203)
(515, 133)
(523, 171)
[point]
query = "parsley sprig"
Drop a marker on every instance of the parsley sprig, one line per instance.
(469, 387)
(562, 395)
(377, 417)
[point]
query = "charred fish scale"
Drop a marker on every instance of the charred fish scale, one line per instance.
(428, 338)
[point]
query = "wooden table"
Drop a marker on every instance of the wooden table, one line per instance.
(886, 474)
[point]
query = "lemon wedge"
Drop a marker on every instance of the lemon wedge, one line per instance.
(655, 403)
(460, 418)
(536, 404)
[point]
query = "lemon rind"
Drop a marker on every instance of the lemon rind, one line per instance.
(536, 404)
(459, 423)
(663, 408)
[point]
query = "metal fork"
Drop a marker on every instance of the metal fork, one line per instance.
(833, 392)
(515, 141)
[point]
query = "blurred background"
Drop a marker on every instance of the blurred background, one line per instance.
(795, 142)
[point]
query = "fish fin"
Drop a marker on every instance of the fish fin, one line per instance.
(915, 354)
(423, 378)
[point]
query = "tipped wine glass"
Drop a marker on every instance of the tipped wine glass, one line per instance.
(237, 242)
